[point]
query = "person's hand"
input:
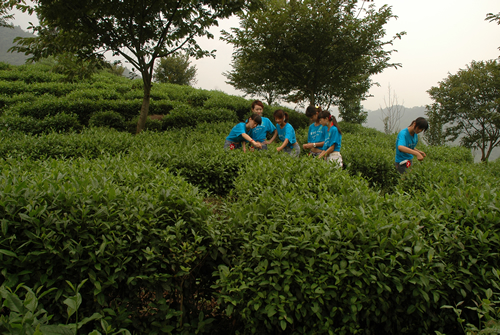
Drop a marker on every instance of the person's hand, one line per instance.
(423, 153)
(278, 149)
(258, 145)
(420, 157)
(306, 145)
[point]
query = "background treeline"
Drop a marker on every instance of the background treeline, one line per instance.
(174, 235)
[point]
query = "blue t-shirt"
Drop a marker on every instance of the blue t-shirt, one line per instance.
(259, 133)
(316, 133)
(286, 132)
(236, 132)
(333, 137)
(405, 139)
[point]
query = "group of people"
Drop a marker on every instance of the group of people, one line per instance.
(324, 137)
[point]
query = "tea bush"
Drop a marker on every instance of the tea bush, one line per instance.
(109, 119)
(310, 257)
(136, 232)
(185, 116)
(91, 143)
(219, 100)
(60, 123)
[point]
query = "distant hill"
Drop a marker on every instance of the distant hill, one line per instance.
(7, 36)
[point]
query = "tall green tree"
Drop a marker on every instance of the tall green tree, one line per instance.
(317, 51)
(175, 69)
(467, 106)
(139, 31)
(248, 76)
(352, 112)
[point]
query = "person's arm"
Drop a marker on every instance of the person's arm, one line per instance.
(243, 144)
(285, 142)
(413, 152)
(249, 139)
(326, 152)
(275, 133)
(421, 152)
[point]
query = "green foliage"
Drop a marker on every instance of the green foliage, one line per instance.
(275, 43)
(27, 317)
(372, 156)
(61, 123)
(352, 112)
(140, 32)
(286, 245)
(135, 232)
(466, 107)
(91, 143)
(109, 119)
(175, 69)
(181, 117)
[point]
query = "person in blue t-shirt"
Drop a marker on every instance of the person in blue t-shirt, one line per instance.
(317, 133)
(240, 134)
(286, 134)
(333, 142)
(260, 132)
(406, 142)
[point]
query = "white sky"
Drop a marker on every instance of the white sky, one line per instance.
(442, 37)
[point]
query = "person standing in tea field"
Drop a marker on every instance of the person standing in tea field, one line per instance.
(240, 134)
(317, 133)
(286, 134)
(333, 141)
(406, 142)
(260, 132)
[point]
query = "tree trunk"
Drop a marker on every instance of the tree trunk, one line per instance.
(144, 108)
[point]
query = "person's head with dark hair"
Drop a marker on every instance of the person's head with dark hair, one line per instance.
(280, 116)
(257, 107)
(325, 118)
(311, 111)
(256, 118)
(420, 123)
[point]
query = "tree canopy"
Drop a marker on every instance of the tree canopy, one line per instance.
(317, 51)
(5, 17)
(175, 69)
(467, 106)
(140, 32)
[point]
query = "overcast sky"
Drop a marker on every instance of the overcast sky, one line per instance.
(442, 37)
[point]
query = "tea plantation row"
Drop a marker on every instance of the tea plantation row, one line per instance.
(35, 100)
(175, 235)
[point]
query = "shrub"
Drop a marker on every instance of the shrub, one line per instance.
(109, 119)
(90, 143)
(455, 154)
(185, 116)
(222, 101)
(58, 123)
(136, 233)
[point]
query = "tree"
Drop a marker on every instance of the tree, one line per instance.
(5, 7)
(392, 113)
(316, 51)
(467, 105)
(247, 77)
(435, 134)
(352, 112)
(139, 31)
(175, 69)
(493, 18)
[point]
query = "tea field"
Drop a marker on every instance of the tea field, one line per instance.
(106, 232)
